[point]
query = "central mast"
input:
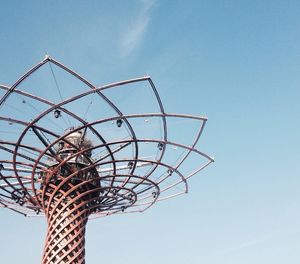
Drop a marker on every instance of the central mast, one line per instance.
(69, 194)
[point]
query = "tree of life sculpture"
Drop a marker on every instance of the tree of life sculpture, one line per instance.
(73, 151)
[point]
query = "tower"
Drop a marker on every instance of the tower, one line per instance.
(72, 151)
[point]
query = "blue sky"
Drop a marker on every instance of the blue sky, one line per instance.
(238, 62)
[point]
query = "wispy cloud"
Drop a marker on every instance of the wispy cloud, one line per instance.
(136, 30)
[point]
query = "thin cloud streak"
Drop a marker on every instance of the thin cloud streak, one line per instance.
(133, 35)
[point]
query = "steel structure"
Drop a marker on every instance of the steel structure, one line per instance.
(59, 162)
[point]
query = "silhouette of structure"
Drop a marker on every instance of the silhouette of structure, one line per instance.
(80, 152)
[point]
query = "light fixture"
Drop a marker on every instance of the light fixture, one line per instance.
(130, 164)
(160, 146)
(57, 113)
(61, 145)
(119, 122)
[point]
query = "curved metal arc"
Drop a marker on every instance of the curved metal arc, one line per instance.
(121, 83)
(161, 110)
(115, 118)
(178, 182)
(9, 184)
(189, 176)
(6, 87)
(160, 106)
(193, 145)
(19, 154)
(83, 94)
(171, 196)
(15, 210)
(8, 119)
(165, 133)
(199, 169)
(21, 164)
(95, 90)
(7, 191)
(20, 80)
(119, 148)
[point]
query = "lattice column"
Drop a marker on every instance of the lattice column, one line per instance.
(66, 208)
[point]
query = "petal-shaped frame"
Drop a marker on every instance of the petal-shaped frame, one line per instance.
(126, 186)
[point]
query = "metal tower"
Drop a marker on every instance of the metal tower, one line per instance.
(73, 151)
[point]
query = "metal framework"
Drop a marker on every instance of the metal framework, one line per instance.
(57, 161)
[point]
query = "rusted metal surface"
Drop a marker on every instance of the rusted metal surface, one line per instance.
(72, 174)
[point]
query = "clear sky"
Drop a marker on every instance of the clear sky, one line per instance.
(238, 62)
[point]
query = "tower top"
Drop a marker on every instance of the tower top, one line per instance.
(115, 141)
